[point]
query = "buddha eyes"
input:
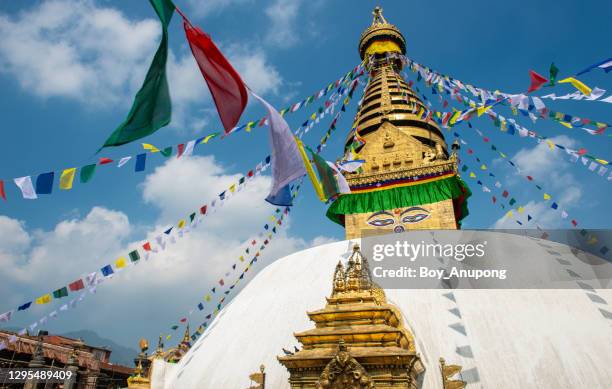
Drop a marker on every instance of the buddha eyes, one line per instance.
(381, 222)
(415, 218)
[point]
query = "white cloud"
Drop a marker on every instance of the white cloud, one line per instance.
(99, 57)
(77, 50)
(154, 294)
(283, 15)
(548, 169)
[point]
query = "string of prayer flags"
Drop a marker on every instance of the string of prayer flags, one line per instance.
(151, 109)
(110, 269)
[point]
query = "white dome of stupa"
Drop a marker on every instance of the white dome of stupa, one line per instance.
(501, 338)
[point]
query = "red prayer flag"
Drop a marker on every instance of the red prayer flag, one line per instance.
(505, 194)
(203, 210)
(76, 285)
(2, 192)
(104, 161)
(494, 199)
(181, 150)
(530, 178)
(536, 81)
(226, 86)
(582, 151)
(486, 139)
(221, 282)
(183, 320)
(575, 223)
(147, 246)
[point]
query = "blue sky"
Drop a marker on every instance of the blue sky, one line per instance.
(69, 71)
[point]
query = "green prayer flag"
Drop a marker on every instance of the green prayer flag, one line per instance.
(166, 152)
(553, 74)
(326, 175)
(87, 173)
(61, 292)
(174, 327)
(152, 107)
(134, 256)
(512, 201)
(464, 168)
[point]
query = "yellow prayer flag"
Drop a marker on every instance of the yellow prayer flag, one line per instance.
(168, 337)
(66, 178)
(454, 118)
(481, 110)
(592, 240)
(310, 171)
(472, 175)
(502, 155)
(577, 84)
(232, 188)
(207, 297)
(313, 116)
(566, 124)
(208, 137)
(520, 209)
(509, 214)
(483, 167)
(602, 161)
(546, 196)
(119, 263)
(150, 147)
(249, 126)
(241, 258)
(551, 145)
(472, 104)
(45, 299)
(181, 223)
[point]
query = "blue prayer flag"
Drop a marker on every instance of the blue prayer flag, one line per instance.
(141, 159)
(44, 183)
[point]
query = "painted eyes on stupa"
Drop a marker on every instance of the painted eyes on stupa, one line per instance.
(414, 215)
(381, 219)
(381, 222)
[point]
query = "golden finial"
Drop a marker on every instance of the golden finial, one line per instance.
(378, 16)
(144, 345)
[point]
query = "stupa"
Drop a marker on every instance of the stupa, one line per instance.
(409, 179)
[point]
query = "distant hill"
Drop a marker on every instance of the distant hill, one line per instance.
(119, 355)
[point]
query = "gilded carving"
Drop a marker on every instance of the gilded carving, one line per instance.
(344, 372)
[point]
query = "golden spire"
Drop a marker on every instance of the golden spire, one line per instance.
(381, 34)
(186, 336)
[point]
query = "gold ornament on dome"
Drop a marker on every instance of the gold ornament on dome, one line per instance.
(344, 372)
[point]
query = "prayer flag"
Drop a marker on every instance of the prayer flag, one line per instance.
(150, 147)
(536, 81)
(104, 161)
(151, 109)
(577, 84)
(67, 178)
(87, 173)
(2, 192)
(546, 196)
(209, 137)
(605, 65)
(553, 73)
(134, 255)
(141, 160)
(45, 299)
(226, 87)
(107, 270)
(76, 285)
(61, 292)
(287, 164)
(120, 263)
(166, 152)
(24, 306)
(25, 185)
(505, 193)
(44, 183)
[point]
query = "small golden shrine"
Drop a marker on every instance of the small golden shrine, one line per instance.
(141, 379)
(409, 180)
(359, 340)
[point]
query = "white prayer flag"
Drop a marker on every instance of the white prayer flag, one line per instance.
(25, 185)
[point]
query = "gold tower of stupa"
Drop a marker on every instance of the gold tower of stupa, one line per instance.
(359, 340)
(409, 178)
